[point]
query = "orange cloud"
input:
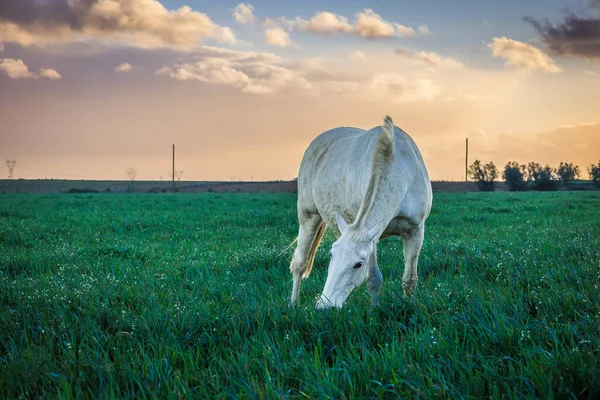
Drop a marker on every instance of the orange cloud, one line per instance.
(139, 23)
(325, 23)
(16, 69)
(522, 55)
(277, 37)
(124, 67)
(367, 24)
(430, 58)
(358, 55)
(244, 14)
(370, 25)
(259, 73)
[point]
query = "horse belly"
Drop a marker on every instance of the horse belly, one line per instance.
(399, 226)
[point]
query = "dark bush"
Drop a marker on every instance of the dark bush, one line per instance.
(594, 172)
(514, 175)
(545, 185)
(541, 178)
(82, 190)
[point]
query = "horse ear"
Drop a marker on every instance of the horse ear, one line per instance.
(341, 222)
(374, 231)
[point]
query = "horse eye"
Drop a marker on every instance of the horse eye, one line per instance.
(357, 265)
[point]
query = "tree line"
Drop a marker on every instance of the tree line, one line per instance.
(532, 176)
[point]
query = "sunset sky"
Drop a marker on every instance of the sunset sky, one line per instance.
(89, 88)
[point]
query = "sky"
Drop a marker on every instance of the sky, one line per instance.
(91, 88)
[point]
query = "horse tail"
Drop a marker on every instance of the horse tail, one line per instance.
(388, 133)
(384, 148)
(383, 154)
(313, 250)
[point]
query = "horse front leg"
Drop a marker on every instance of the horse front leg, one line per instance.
(374, 278)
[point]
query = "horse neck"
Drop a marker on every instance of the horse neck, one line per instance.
(379, 204)
(378, 201)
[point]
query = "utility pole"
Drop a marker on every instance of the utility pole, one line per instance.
(11, 167)
(466, 159)
(173, 168)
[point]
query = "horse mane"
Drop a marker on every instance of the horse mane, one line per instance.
(382, 156)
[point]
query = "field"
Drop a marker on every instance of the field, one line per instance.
(90, 186)
(46, 186)
(186, 295)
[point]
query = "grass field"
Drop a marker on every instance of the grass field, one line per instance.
(186, 295)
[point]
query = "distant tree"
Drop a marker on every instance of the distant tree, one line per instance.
(491, 172)
(131, 173)
(567, 172)
(544, 179)
(514, 175)
(533, 171)
(484, 175)
(11, 167)
(594, 171)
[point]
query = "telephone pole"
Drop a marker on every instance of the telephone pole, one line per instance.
(466, 160)
(173, 168)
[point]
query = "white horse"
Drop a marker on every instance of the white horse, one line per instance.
(377, 180)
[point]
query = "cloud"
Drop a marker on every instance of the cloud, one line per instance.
(211, 70)
(576, 36)
(277, 37)
(138, 23)
(357, 55)
(522, 55)
(375, 87)
(259, 73)
(124, 67)
(371, 25)
(430, 58)
(49, 73)
(267, 74)
(403, 90)
(244, 14)
(326, 23)
(16, 69)
(383, 88)
(423, 30)
(367, 24)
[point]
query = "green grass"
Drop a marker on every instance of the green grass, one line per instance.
(170, 296)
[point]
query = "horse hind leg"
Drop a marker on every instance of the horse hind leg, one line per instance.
(310, 234)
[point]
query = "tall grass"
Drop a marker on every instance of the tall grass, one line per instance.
(172, 296)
